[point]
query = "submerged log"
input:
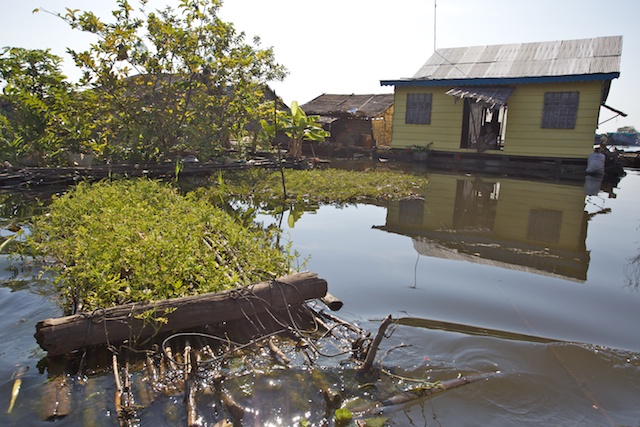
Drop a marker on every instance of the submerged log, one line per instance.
(56, 399)
(405, 396)
(63, 335)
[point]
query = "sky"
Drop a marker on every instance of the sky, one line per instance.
(349, 46)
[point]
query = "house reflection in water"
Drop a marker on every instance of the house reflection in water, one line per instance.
(531, 226)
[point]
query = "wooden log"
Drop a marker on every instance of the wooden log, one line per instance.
(66, 334)
(332, 302)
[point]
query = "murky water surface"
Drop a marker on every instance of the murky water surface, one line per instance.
(537, 280)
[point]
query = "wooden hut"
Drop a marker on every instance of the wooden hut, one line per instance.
(532, 101)
(362, 121)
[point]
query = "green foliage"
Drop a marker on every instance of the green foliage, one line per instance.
(307, 189)
(343, 417)
(376, 421)
(43, 116)
(264, 188)
(155, 84)
(36, 104)
(172, 81)
(297, 126)
(627, 129)
(127, 241)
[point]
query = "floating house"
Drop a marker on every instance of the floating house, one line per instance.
(362, 121)
(527, 101)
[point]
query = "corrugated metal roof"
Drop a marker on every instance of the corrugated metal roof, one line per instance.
(355, 105)
(539, 60)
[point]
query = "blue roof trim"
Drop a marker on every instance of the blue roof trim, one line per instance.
(500, 80)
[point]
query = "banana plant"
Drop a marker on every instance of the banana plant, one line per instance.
(298, 127)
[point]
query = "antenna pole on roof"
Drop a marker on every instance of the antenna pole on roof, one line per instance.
(434, 24)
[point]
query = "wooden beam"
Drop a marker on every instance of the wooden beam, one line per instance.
(115, 324)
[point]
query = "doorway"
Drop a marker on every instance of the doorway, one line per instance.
(483, 125)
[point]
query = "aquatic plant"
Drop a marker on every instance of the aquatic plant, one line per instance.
(331, 186)
(125, 241)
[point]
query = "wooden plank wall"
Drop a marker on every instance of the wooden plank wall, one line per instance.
(446, 121)
(524, 135)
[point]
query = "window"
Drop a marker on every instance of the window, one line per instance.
(418, 109)
(411, 212)
(544, 225)
(560, 110)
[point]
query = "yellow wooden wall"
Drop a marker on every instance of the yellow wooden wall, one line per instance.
(446, 121)
(524, 135)
(516, 200)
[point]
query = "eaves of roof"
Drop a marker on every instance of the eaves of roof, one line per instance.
(501, 80)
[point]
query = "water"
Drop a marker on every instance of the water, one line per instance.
(575, 282)
(533, 279)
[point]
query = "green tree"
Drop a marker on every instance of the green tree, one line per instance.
(172, 81)
(627, 129)
(36, 98)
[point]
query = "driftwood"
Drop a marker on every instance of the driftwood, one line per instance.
(332, 302)
(64, 335)
(185, 365)
(373, 348)
(31, 177)
(406, 396)
(275, 350)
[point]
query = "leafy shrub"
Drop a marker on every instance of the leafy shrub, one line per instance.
(127, 241)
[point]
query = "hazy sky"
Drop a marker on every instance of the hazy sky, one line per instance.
(348, 46)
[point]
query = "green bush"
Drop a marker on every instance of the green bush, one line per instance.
(127, 241)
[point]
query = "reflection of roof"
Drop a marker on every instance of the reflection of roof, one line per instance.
(351, 105)
(512, 255)
(530, 260)
(553, 61)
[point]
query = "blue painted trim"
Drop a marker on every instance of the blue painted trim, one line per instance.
(500, 81)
